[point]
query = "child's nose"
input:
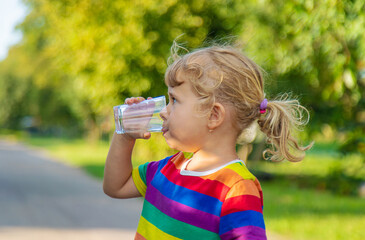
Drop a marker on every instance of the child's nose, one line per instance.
(163, 113)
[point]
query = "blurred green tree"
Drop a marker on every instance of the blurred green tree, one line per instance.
(79, 58)
(96, 52)
(315, 49)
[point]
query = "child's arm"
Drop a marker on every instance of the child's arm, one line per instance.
(118, 182)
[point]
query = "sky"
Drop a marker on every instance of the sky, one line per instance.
(12, 12)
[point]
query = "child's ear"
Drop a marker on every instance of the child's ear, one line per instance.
(216, 117)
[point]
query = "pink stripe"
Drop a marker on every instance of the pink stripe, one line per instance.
(245, 233)
(182, 212)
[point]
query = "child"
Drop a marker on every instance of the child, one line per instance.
(215, 94)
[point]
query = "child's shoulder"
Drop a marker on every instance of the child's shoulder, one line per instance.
(239, 171)
(241, 180)
(231, 173)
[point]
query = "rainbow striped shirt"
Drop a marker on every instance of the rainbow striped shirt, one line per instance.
(225, 203)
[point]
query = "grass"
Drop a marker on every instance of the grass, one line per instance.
(309, 214)
(290, 211)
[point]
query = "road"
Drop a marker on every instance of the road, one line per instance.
(41, 198)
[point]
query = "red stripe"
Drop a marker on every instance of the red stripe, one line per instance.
(262, 199)
(241, 203)
(138, 236)
(208, 187)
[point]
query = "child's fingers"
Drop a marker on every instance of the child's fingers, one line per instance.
(146, 135)
(134, 100)
(129, 100)
(142, 135)
(139, 99)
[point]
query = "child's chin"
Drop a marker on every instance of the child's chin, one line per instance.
(171, 144)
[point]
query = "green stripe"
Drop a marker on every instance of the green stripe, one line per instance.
(142, 172)
(174, 227)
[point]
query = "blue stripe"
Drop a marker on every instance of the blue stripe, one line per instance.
(186, 196)
(241, 219)
(163, 163)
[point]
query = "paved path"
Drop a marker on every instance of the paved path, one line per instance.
(41, 198)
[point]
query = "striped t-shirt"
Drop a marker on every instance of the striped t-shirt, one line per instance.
(224, 203)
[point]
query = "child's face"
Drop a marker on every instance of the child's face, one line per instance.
(184, 129)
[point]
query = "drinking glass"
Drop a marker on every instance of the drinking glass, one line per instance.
(139, 117)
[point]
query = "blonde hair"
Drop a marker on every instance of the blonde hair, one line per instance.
(223, 74)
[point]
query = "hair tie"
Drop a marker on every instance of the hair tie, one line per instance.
(263, 106)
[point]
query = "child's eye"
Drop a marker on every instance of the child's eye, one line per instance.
(173, 100)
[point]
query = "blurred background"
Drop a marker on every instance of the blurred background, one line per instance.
(67, 63)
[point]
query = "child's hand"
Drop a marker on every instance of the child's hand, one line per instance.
(137, 117)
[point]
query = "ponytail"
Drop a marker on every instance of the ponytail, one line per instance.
(281, 118)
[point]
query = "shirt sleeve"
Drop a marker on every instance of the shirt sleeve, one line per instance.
(143, 174)
(139, 178)
(241, 215)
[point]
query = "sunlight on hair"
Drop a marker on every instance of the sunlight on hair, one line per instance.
(175, 49)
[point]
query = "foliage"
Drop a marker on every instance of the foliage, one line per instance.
(345, 177)
(316, 49)
(323, 169)
(79, 58)
(91, 54)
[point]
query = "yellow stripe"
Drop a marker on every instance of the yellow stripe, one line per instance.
(241, 170)
(188, 155)
(139, 182)
(150, 231)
